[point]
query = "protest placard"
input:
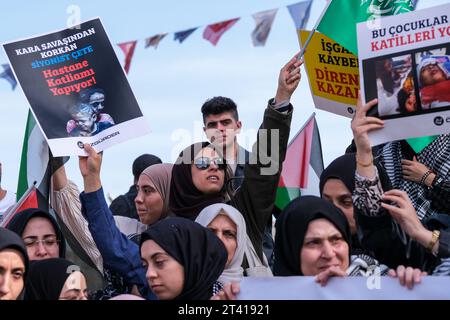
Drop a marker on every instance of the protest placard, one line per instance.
(333, 74)
(76, 88)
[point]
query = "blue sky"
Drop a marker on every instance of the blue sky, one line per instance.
(172, 82)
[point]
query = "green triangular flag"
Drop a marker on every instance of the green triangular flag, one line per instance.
(418, 144)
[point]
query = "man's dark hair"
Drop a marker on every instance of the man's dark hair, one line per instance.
(218, 105)
(142, 162)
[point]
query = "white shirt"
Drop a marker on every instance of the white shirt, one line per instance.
(8, 201)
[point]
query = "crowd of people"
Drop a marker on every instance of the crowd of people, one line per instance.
(193, 229)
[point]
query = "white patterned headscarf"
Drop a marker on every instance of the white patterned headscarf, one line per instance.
(233, 271)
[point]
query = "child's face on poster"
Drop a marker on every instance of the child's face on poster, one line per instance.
(85, 122)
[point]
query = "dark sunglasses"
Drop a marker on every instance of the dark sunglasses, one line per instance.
(203, 163)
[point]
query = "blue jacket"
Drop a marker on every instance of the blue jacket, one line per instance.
(119, 253)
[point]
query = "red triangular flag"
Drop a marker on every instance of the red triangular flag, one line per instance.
(213, 32)
(28, 200)
(128, 50)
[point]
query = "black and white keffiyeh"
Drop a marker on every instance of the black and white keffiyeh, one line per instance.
(366, 266)
(436, 156)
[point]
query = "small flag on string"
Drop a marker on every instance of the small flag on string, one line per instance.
(182, 35)
(128, 50)
(213, 32)
(264, 21)
(155, 40)
(8, 75)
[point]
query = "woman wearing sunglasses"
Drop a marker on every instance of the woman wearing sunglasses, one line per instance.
(199, 179)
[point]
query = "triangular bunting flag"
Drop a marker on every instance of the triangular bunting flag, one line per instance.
(213, 32)
(155, 40)
(182, 35)
(264, 21)
(8, 75)
(302, 166)
(300, 13)
(128, 50)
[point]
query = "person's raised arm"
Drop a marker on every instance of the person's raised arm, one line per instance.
(119, 253)
(66, 202)
(361, 126)
(90, 169)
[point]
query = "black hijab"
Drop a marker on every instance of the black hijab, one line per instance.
(47, 277)
(10, 240)
(185, 199)
(21, 219)
(196, 248)
(291, 229)
(342, 168)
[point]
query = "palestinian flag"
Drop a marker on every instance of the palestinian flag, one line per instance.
(34, 173)
(341, 16)
(302, 166)
(34, 164)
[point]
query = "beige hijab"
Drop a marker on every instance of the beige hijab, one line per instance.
(160, 175)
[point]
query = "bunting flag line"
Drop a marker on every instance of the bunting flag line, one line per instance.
(302, 166)
(8, 75)
(182, 35)
(155, 40)
(214, 32)
(351, 12)
(264, 21)
(128, 50)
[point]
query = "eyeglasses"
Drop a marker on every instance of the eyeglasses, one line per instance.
(203, 163)
(48, 241)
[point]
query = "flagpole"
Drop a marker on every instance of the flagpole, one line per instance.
(303, 50)
(13, 209)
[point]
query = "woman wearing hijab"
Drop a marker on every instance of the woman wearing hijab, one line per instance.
(313, 239)
(14, 265)
(200, 178)
(120, 252)
(55, 279)
(337, 183)
(229, 226)
(40, 232)
(183, 260)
